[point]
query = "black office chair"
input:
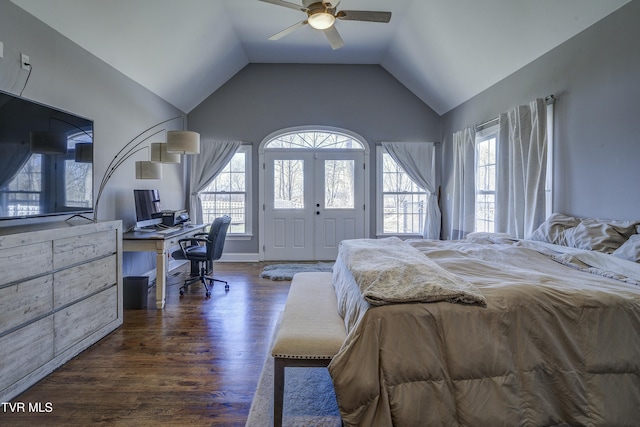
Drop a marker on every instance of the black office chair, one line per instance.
(204, 250)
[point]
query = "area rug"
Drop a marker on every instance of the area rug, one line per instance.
(309, 398)
(286, 271)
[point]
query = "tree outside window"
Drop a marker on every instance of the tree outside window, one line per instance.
(403, 202)
(228, 194)
(485, 184)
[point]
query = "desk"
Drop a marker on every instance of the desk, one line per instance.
(139, 241)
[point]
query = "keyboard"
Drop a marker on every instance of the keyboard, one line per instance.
(169, 230)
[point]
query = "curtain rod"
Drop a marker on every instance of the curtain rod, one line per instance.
(379, 143)
(550, 99)
(487, 123)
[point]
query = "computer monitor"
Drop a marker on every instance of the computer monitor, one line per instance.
(148, 212)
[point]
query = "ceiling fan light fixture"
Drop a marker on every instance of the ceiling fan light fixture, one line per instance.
(321, 20)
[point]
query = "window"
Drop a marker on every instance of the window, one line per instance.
(49, 183)
(23, 193)
(230, 194)
(486, 179)
(339, 186)
(77, 175)
(316, 140)
(401, 203)
(288, 184)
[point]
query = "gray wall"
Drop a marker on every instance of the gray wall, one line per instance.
(264, 98)
(67, 77)
(596, 79)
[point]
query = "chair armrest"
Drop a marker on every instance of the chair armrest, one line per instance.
(190, 241)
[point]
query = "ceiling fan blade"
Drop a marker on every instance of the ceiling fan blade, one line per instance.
(364, 15)
(288, 30)
(286, 4)
(334, 37)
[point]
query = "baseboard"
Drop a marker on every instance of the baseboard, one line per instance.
(239, 258)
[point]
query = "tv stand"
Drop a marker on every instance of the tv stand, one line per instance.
(60, 292)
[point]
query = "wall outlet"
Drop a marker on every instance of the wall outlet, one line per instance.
(24, 61)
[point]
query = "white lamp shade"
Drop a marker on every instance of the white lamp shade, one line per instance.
(159, 153)
(84, 152)
(183, 142)
(48, 143)
(148, 170)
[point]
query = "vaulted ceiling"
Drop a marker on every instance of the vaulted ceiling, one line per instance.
(445, 51)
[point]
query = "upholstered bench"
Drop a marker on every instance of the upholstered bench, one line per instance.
(311, 331)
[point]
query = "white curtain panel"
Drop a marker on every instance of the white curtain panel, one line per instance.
(463, 186)
(418, 159)
(213, 157)
(521, 170)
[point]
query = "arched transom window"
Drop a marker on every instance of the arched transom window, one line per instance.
(315, 140)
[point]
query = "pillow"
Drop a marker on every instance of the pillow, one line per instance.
(553, 229)
(630, 250)
(600, 235)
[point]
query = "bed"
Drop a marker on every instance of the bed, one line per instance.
(530, 332)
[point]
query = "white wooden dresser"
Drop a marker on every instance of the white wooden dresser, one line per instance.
(60, 292)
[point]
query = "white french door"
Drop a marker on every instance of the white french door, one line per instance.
(313, 199)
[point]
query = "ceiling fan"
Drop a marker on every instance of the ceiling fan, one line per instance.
(321, 15)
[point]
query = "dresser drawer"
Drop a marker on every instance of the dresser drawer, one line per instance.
(77, 282)
(20, 262)
(73, 324)
(25, 350)
(25, 301)
(72, 250)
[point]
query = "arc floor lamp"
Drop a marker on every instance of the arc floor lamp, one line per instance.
(177, 142)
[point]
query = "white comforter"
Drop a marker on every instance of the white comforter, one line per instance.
(553, 345)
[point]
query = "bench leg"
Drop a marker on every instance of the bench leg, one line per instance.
(278, 390)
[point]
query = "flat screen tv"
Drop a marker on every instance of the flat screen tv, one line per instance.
(46, 160)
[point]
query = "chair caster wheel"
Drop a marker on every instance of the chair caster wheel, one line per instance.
(181, 291)
(226, 288)
(208, 294)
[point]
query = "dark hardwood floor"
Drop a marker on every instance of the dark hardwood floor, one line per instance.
(196, 362)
